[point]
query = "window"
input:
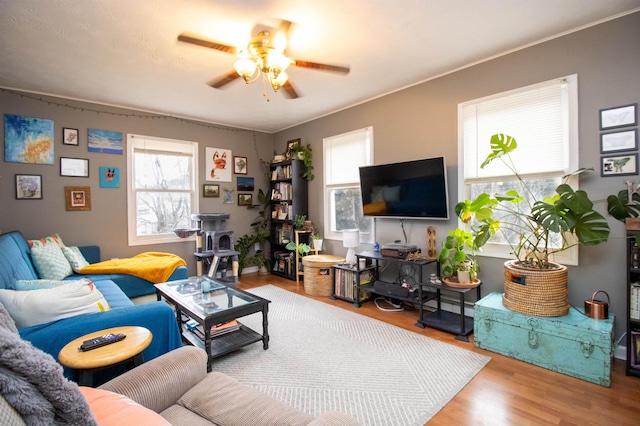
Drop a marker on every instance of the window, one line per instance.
(343, 155)
(543, 119)
(161, 188)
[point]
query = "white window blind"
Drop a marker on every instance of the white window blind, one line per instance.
(345, 154)
(536, 116)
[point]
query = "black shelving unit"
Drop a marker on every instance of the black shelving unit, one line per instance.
(633, 305)
(456, 323)
(386, 289)
(289, 198)
(349, 282)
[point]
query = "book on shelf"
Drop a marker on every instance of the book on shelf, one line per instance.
(345, 281)
(634, 299)
(227, 327)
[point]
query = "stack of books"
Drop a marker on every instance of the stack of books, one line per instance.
(221, 329)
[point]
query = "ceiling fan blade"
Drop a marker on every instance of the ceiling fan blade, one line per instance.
(195, 39)
(224, 80)
(321, 67)
(284, 27)
(289, 91)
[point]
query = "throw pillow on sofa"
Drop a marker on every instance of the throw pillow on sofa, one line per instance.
(50, 262)
(54, 238)
(23, 285)
(75, 258)
(114, 409)
(34, 307)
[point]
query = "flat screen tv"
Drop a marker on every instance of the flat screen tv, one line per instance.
(411, 189)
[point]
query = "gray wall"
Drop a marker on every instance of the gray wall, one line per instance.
(106, 223)
(421, 122)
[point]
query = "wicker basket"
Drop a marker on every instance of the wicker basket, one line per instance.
(534, 291)
(318, 273)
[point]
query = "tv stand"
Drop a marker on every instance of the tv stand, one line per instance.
(417, 297)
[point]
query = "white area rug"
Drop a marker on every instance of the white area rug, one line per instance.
(323, 358)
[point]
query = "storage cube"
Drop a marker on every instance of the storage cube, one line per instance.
(573, 344)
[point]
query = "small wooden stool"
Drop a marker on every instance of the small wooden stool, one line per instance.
(87, 363)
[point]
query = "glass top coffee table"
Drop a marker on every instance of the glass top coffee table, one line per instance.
(202, 303)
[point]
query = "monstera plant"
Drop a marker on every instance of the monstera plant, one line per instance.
(568, 214)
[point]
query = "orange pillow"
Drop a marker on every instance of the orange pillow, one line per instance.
(113, 409)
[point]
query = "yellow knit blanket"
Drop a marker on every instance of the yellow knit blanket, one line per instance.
(152, 266)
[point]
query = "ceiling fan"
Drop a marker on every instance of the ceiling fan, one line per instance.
(264, 57)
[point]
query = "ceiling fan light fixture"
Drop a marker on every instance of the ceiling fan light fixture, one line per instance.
(278, 81)
(246, 68)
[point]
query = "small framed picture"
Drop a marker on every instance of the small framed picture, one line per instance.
(210, 190)
(70, 136)
(245, 199)
(78, 167)
(626, 140)
(77, 198)
(245, 184)
(28, 187)
(290, 144)
(622, 116)
(619, 165)
(240, 165)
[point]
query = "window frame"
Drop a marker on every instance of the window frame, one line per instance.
(570, 124)
(160, 145)
(330, 232)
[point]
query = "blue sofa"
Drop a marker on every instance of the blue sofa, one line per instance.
(158, 317)
(130, 285)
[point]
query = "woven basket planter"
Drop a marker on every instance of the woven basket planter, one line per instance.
(318, 274)
(535, 291)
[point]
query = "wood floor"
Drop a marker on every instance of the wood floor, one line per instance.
(507, 391)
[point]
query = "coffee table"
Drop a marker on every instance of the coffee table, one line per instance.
(127, 351)
(203, 302)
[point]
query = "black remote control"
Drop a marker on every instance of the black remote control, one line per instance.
(107, 339)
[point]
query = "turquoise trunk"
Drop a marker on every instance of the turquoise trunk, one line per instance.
(573, 344)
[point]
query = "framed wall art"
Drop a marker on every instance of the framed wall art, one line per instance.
(245, 184)
(78, 167)
(619, 165)
(70, 136)
(217, 164)
(626, 140)
(77, 198)
(109, 177)
(240, 166)
(28, 187)
(622, 116)
(28, 140)
(290, 145)
(210, 190)
(245, 199)
(227, 196)
(105, 141)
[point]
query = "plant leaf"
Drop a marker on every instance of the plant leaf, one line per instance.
(618, 208)
(501, 144)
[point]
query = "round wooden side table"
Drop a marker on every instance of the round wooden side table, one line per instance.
(87, 363)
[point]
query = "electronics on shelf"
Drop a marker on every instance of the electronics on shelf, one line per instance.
(400, 251)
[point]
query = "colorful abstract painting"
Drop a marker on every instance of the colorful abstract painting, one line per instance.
(28, 140)
(105, 141)
(109, 177)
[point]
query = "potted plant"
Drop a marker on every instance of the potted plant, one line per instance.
(568, 217)
(317, 240)
(302, 248)
(454, 260)
(305, 153)
(259, 237)
(298, 221)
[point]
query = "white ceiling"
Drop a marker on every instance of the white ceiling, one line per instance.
(126, 53)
